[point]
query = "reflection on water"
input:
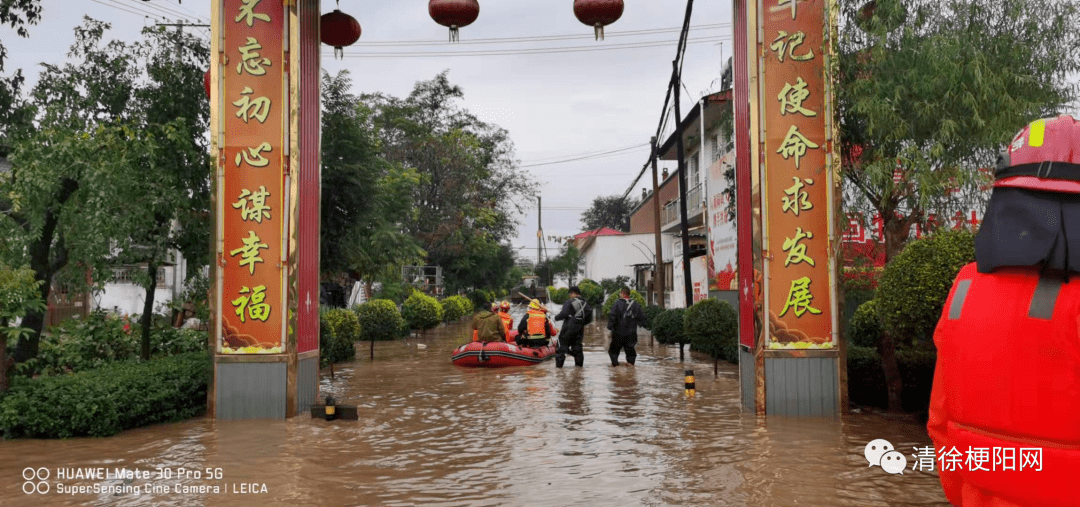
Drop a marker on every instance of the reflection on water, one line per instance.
(431, 433)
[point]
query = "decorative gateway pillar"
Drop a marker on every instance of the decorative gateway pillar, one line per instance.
(792, 359)
(265, 142)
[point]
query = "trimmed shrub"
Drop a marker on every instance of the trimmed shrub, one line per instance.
(422, 311)
(614, 296)
(343, 323)
(669, 326)
(651, 312)
(712, 327)
(451, 310)
(379, 320)
(466, 305)
(333, 348)
(479, 299)
(916, 283)
(560, 295)
(864, 330)
(107, 400)
(592, 292)
(866, 380)
(170, 341)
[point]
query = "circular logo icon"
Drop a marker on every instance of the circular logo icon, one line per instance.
(31, 475)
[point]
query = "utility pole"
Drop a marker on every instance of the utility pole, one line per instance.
(539, 229)
(659, 274)
(180, 30)
(687, 283)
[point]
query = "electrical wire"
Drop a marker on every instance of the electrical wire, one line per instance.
(533, 38)
(565, 49)
(144, 15)
(164, 11)
(585, 154)
(587, 157)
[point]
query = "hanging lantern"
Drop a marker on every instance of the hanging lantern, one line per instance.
(339, 29)
(454, 14)
(206, 82)
(598, 13)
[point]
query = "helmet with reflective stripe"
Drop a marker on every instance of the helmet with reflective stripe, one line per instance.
(1045, 156)
(504, 306)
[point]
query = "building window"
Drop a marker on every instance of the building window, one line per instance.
(714, 148)
(694, 172)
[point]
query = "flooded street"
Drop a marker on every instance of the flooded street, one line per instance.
(434, 434)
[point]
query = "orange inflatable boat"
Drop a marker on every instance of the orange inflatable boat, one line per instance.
(499, 354)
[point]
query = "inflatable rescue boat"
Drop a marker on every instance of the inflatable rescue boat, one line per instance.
(499, 354)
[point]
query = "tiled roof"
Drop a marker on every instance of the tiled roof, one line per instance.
(603, 231)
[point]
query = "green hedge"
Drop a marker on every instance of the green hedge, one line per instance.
(560, 295)
(864, 330)
(451, 310)
(379, 320)
(916, 283)
(480, 300)
(332, 347)
(107, 400)
(651, 312)
(592, 292)
(669, 326)
(84, 343)
(614, 296)
(423, 312)
(866, 379)
(343, 323)
(712, 327)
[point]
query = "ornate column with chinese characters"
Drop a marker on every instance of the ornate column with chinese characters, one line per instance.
(265, 74)
(799, 360)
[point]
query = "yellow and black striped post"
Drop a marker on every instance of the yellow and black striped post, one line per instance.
(689, 383)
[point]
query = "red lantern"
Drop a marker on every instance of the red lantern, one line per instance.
(206, 82)
(454, 14)
(598, 13)
(338, 30)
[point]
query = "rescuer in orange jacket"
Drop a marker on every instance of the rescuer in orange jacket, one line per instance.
(508, 321)
(1005, 404)
(535, 330)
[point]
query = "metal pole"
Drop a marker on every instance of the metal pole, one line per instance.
(685, 226)
(539, 230)
(660, 273)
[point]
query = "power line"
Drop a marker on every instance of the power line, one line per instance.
(161, 9)
(144, 15)
(532, 38)
(564, 49)
(587, 157)
(585, 154)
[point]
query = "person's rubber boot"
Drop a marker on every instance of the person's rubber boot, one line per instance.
(559, 360)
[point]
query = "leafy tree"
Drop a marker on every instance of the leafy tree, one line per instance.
(569, 263)
(612, 211)
(470, 188)
(592, 292)
(932, 91)
(169, 207)
(18, 296)
(421, 312)
(14, 113)
(366, 200)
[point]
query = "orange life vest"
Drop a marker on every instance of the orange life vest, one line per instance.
(1006, 381)
(538, 324)
(509, 322)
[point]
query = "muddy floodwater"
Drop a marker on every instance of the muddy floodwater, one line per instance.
(433, 434)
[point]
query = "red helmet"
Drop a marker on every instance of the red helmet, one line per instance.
(504, 306)
(1045, 155)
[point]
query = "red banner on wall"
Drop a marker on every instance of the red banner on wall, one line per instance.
(253, 193)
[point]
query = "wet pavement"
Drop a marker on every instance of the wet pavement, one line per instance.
(434, 434)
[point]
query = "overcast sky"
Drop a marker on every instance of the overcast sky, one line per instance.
(555, 105)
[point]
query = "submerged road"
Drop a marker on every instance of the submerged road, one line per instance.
(432, 434)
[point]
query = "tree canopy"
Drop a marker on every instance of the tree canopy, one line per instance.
(611, 211)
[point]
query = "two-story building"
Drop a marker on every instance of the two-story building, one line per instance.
(708, 229)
